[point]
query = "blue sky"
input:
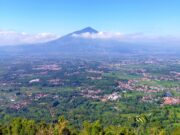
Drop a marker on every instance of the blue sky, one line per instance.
(150, 17)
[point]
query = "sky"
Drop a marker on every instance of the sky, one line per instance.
(42, 20)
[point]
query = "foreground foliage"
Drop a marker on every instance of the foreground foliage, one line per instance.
(139, 126)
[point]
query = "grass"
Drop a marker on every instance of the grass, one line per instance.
(161, 83)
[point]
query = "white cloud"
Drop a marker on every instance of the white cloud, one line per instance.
(135, 37)
(100, 35)
(8, 37)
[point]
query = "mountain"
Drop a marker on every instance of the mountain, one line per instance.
(77, 45)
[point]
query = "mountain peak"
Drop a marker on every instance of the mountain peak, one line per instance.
(85, 30)
(89, 29)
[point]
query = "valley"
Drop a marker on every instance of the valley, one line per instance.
(83, 89)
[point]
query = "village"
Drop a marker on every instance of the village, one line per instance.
(89, 82)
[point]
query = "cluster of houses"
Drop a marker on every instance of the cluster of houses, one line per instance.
(134, 85)
(89, 93)
(171, 100)
(40, 95)
(147, 98)
(48, 67)
(55, 81)
(97, 94)
(168, 99)
(111, 97)
(20, 105)
(176, 75)
(23, 103)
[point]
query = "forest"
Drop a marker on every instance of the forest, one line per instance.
(138, 125)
